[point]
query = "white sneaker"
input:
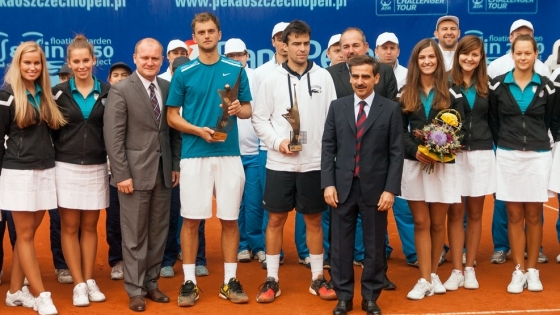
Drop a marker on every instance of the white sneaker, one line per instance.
(21, 298)
(455, 281)
(421, 289)
(518, 281)
(465, 260)
(117, 272)
(470, 279)
(260, 256)
(438, 286)
(93, 292)
(558, 258)
(306, 261)
(244, 256)
(44, 304)
(79, 297)
(64, 276)
(534, 283)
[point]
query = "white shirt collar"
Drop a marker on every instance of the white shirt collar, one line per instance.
(147, 83)
(368, 99)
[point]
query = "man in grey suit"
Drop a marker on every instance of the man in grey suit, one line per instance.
(144, 154)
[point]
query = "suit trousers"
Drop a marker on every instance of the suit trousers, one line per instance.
(343, 229)
(144, 228)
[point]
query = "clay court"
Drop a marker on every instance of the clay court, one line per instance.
(491, 298)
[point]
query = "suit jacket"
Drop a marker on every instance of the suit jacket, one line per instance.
(381, 152)
(386, 87)
(133, 137)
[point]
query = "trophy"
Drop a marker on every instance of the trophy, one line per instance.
(292, 116)
(227, 96)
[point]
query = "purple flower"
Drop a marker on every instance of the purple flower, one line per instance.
(438, 137)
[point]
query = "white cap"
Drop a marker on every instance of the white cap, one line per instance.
(386, 37)
(280, 27)
(521, 23)
(334, 40)
(234, 45)
(447, 18)
(176, 43)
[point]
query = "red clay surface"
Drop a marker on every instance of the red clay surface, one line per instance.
(491, 298)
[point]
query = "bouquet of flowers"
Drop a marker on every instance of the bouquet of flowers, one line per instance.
(441, 141)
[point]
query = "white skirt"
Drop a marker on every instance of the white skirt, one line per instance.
(442, 185)
(554, 182)
(523, 175)
(476, 171)
(27, 190)
(82, 187)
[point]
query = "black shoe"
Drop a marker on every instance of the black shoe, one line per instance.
(343, 307)
(388, 285)
(370, 307)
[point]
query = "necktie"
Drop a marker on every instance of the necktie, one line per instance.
(359, 133)
(155, 103)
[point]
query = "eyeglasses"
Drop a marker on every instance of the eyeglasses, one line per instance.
(233, 55)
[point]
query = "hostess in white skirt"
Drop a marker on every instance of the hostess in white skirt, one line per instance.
(554, 182)
(27, 190)
(442, 185)
(523, 175)
(476, 171)
(82, 187)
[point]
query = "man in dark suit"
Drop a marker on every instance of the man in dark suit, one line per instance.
(144, 154)
(361, 169)
(353, 43)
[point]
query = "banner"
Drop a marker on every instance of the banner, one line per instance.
(114, 26)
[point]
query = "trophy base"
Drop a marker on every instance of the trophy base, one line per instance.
(295, 147)
(218, 135)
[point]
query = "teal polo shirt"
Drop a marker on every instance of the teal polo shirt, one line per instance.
(470, 94)
(427, 101)
(85, 103)
(35, 100)
(524, 97)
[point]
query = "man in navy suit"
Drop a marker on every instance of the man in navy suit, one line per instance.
(361, 169)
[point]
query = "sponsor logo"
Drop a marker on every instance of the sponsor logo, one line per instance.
(316, 89)
(225, 74)
(385, 5)
(477, 4)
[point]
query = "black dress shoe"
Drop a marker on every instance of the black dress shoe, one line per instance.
(388, 285)
(137, 303)
(157, 296)
(343, 307)
(371, 307)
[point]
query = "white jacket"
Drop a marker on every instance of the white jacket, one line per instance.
(248, 141)
(260, 74)
(271, 127)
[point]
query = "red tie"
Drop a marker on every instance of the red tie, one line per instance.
(359, 133)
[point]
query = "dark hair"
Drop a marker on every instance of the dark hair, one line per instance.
(527, 38)
(80, 41)
(297, 27)
(480, 75)
(205, 17)
(364, 60)
(357, 30)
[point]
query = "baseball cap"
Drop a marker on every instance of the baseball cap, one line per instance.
(179, 61)
(176, 43)
(447, 18)
(521, 23)
(234, 45)
(120, 64)
(64, 70)
(334, 39)
(280, 27)
(386, 37)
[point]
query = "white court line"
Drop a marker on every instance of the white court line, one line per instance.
(491, 312)
(552, 208)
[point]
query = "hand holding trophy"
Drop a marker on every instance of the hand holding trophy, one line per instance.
(228, 96)
(293, 118)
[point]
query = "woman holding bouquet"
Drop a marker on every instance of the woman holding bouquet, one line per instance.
(521, 104)
(476, 164)
(82, 182)
(426, 93)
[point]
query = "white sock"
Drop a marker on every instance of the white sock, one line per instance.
(189, 272)
(230, 271)
(272, 265)
(316, 262)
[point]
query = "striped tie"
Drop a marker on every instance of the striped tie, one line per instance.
(359, 133)
(155, 103)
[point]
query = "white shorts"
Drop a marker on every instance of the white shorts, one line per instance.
(82, 187)
(27, 190)
(201, 178)
(476, 172)
(440, 186)
(523, 175)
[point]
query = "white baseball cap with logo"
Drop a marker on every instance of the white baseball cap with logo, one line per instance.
(447, 18)
(335, 39)
(520, 23)
(278, 28)
(234, 45)
(176, 43)
(386, 37)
